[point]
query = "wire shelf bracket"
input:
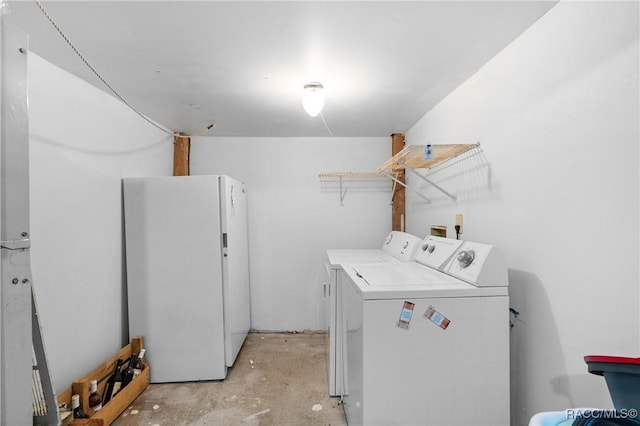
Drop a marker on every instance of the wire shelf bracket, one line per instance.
(423, 157)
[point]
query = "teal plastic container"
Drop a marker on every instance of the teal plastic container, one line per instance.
(622, 376)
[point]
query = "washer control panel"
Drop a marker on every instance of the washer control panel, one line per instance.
(401, 245)
(437, 251)
(480, 264)
(466, 258)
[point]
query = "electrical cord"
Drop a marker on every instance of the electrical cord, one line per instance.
(97, 74)
(325, 124)
(209, 127)
(457, 227)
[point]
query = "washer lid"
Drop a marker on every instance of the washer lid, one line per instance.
(411, 280)
(402, 273)
(337, 257)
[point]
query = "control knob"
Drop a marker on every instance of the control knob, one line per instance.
(428, 247)
(466, 257)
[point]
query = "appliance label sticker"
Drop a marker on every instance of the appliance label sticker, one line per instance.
(437, 318)
(405, 315)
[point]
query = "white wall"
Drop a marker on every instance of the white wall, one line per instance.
(556, 187)
(82, 141)
(294, 217)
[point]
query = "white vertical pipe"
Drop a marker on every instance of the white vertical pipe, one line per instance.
(15, 282)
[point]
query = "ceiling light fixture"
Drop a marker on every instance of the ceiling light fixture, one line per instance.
(313, 98)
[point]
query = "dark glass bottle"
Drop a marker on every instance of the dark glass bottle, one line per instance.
(114, 382)
(128, 373)
(75, 406)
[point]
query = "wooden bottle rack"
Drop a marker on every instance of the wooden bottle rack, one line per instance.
(120, 401)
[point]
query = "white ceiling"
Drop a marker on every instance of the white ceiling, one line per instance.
(242, 64)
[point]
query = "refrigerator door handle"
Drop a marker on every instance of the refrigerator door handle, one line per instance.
(326, 289)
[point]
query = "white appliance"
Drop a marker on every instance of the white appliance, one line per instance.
(428, 341)
(187, 273)
(397, 247)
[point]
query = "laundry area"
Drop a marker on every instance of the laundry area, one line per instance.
(327, 212)
(278, 379)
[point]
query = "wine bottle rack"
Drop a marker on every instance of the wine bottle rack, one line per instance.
(123, 399)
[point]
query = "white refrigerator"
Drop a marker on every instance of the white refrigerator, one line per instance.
(187, 273)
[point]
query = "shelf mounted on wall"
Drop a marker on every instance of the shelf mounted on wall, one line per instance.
(344, 180)
(423, 157)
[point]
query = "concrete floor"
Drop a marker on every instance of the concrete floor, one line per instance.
(277, 379)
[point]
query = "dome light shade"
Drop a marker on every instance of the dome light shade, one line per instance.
(313, 98)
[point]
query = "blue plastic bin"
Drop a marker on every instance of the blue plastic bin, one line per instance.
(622, 376)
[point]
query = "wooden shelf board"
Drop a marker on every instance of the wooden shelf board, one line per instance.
(413, 156)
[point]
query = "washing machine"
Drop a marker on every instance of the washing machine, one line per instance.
(428, 341)
(397, 247)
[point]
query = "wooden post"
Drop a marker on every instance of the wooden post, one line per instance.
(398, 210)
(181, 148)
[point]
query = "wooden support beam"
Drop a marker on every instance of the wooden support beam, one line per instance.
(398, 209)
(181, 149)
